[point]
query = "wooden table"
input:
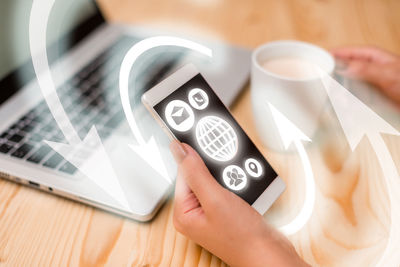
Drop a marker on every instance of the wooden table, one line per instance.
(350, 223)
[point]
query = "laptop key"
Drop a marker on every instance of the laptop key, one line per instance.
(3, 135)
(68, 168)
(96, 120)
(5, 148)
(40, 154)
(84, 131)
(36, 137)
(28, 128)
(76, 120)
(53, 161)
(57, 137)
(39, 119)
(86, 111)
(115, 120)
(48, 128)
(70, 108)
(15, 126)
(105, 133)
(16, 138)
(97, 102)
(22, 151)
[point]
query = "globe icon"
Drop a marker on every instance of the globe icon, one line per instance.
(216, 138)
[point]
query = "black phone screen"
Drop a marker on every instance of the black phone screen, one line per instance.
(196, 116)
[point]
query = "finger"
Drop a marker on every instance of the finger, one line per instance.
(361, 70)
(367, 53)
(177, 150)
(370, 72)
(185, 199)
(193, 175)
(182, 190)
(186, 204)
(198, 178)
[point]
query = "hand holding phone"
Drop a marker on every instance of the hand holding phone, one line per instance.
(188, 109)
(208, 214)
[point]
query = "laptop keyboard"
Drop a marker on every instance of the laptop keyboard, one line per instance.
(91, 97)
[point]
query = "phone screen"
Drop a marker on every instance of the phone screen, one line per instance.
(196, 116)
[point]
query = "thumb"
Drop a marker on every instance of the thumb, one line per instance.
(194, 172)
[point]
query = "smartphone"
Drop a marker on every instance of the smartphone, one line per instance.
(188, 109)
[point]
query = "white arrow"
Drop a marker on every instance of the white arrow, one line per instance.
(357, 121)
(289, 134)
(98, 168)
(149, 150)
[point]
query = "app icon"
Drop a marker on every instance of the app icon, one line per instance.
(234, 177)
(179, 115)
(216, 138)
(253, 167)
(198, 98)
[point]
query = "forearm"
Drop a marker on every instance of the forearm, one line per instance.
(278, 251)
(266, 249)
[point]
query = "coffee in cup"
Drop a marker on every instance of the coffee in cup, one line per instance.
(291, 67)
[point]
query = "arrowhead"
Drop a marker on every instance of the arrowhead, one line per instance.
(90, 157)
(288, 132)
(356, 118)
(150, 153)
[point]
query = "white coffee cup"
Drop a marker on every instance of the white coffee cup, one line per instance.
(299, 99)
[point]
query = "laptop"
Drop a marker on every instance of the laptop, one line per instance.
(85, 54)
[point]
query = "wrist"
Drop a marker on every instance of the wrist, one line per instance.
(273, 249)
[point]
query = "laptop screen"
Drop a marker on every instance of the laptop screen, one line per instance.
(69, 22)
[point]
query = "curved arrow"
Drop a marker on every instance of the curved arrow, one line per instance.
(289, 134)
(98, 168)
(149, 150)
(358, 120)
(391, 253)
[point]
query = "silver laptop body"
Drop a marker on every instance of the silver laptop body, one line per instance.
(24, 118)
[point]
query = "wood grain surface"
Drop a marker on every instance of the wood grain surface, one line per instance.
(351, 220)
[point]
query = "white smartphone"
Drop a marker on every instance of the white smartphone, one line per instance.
(188, 109)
